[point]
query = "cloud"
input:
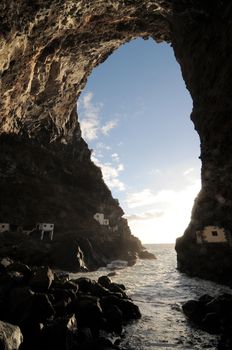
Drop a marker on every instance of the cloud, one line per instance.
(144, 216)
(115, 157)
(111, 174)
(140, 199)
(188, 171)
(175, 206)
(90, 119)
(146, 197)
(109, 126)
(101, 145)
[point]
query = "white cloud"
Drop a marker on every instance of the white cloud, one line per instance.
(111, 174)
(188, 171)
(120, 167)
(101, 145)
(115, 157)
(90, 122)
(90, 119)
(175, 207)
(140, 199)
(144, 216)
(109, 126)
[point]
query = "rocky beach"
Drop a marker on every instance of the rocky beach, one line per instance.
(40, 309)
(48, 48)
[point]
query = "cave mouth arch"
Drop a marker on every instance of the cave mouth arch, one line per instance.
(49, 48)
(139, 88)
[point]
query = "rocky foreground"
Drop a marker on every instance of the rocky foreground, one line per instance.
(213, 315)
(41, 309)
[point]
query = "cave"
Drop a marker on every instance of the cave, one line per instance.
(48, 49)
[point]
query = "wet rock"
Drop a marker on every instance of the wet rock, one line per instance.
(129, 310)
(28, 307)
(205, 299)
(21, 268)
(193, 310)
(85, 339)
(46, 319)
(112, 274)
(114, 317)
(60, 334)
(87, 285)
(5, 262)
(42, 279)
(211, 323)
(144, 254)
(89, 312)
(20, 304)
(221, 305)
(69, 256)
(10, 336)
(105, 281)
(116, 288)
(213, 315)
(104, 343)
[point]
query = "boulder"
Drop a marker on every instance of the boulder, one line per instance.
(117, 288)
(42, 279)
(193, 310)
(105, 281)
(10, 336)
(129, 310)
(5, 262)
(144, 254)
(68, 255)
(211, 323)
(222, 305)
(84, 339)
(20, 304)
(60, 334)
(27, 307)
(89, 313)
(21, 268)
(86, 285)
(114, 318)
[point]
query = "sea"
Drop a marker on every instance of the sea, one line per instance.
(159, 290)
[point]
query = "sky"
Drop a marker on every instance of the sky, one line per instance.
(135, 116)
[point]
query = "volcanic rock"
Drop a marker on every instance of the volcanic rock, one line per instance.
(10, 336)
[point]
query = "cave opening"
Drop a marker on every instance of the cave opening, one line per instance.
(135, 116)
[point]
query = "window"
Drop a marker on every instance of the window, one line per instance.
(214, 233)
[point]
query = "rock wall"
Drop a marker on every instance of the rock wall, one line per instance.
(203, 51)
(47, 50)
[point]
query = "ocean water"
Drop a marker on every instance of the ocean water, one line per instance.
(159, 290)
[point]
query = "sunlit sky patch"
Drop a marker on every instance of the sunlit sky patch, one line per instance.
(134, 114)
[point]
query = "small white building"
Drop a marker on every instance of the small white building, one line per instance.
(211, 234)
(46, 229)
(99, 217)
(4, 227)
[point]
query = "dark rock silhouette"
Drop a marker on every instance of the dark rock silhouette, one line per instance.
(213, 315)
(47, 310)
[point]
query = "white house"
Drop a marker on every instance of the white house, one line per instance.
(99, 217)
(211, 234)
(47, 229)
(4, 227)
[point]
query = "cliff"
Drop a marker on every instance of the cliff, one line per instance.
(47, 50)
